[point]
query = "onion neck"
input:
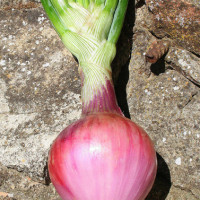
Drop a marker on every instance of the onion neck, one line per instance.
(90, 30)
(97, 90)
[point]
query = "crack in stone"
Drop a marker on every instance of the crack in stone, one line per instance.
(190, 99)
(185, 189)
(185, 74)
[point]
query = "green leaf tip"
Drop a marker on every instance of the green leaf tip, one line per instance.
(80, 16)
(118, 21)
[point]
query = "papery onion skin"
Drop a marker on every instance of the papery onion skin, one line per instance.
(103, 156)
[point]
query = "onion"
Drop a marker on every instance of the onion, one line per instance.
(102, 156)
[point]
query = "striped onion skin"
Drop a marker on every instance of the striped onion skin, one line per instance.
(103, 156)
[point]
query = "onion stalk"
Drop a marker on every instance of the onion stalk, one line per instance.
(102, 156)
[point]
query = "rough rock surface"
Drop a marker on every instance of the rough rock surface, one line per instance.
(168, 107)
(40, 95)
(166, 102)
(18, 4)
(177, 19)
(40, 89)
(19, 186)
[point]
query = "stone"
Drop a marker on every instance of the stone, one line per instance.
(178, 20)
(17, 185)
(19, 4)
(167, 106)
(184, 62)
(40, 89)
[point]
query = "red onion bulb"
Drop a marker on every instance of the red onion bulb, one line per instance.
(103, 156)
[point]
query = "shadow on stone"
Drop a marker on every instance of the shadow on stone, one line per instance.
(46, 175)
(120, 90)
(120, 64)
(158, 67)
(162, 183)
(120, 68)
(139, 4)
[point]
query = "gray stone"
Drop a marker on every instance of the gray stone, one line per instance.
(167, 106)
(40, 89)
(185, 62)
(15, 185)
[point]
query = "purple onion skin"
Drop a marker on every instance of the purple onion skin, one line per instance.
(103, 156)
